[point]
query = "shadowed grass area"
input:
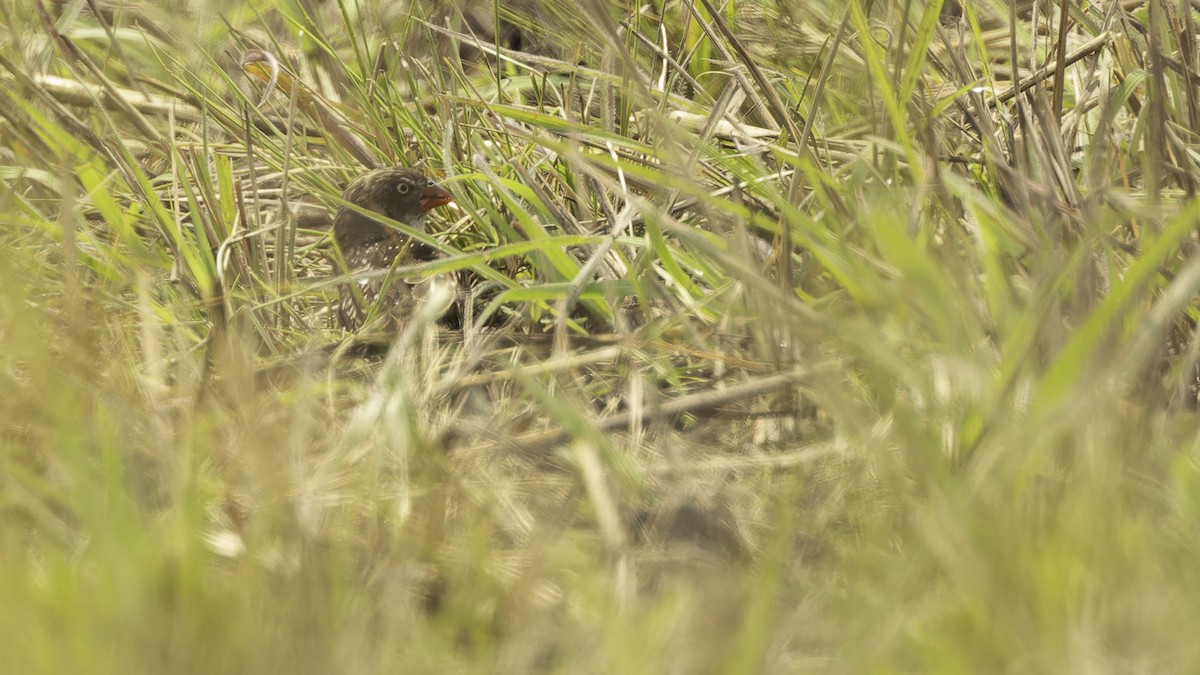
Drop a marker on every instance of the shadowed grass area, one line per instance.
(797, 337)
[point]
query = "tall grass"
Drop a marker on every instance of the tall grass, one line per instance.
(801, 337)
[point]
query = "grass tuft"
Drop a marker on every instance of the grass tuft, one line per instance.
(796, 337)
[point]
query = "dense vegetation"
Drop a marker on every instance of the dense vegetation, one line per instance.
(801, 337)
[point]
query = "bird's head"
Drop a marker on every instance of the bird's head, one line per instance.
(397, 192)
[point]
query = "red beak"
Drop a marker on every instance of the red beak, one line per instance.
(433, 197)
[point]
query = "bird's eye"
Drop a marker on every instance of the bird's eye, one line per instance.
(403, 188)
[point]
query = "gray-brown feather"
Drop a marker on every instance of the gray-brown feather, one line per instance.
(369, 245)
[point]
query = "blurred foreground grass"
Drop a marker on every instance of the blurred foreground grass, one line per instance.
(803, 338)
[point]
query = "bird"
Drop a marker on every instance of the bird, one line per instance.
(368, 245)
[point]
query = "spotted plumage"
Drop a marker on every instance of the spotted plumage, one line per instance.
(368, 245)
